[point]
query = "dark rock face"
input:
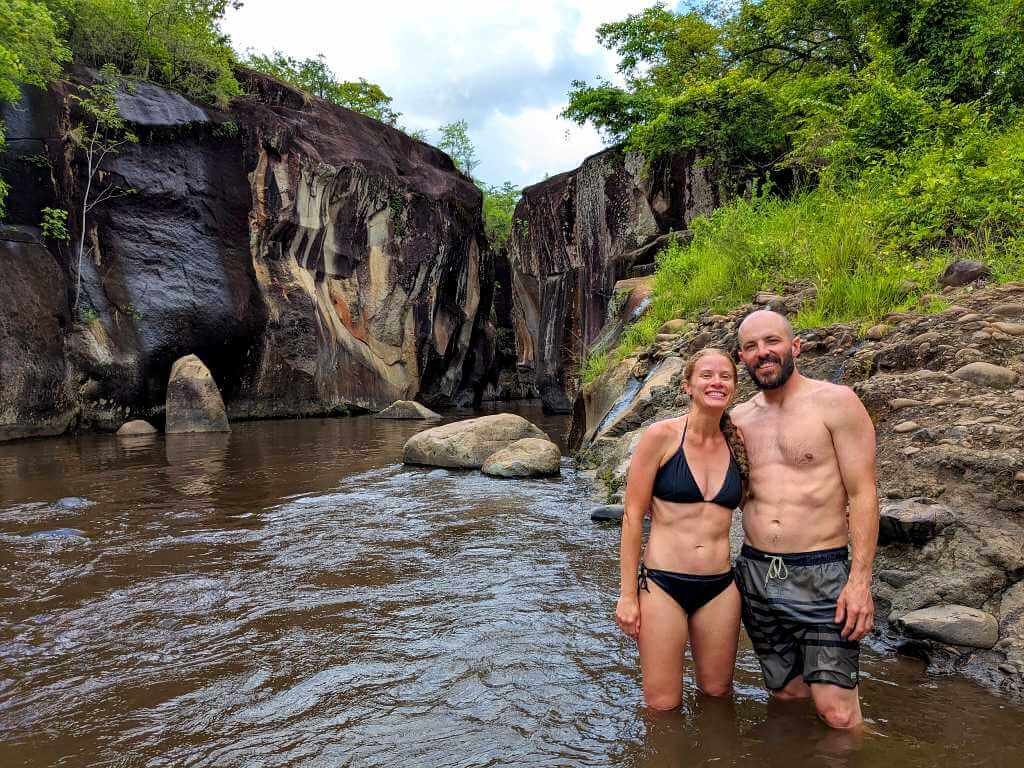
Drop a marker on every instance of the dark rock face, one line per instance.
(575, 235)
(314, 258)
(963, 272)
(35, 399)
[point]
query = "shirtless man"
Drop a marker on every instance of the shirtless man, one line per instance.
(811, 446)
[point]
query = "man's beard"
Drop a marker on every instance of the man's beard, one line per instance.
(786, 368)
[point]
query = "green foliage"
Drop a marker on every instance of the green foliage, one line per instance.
(31, 50)
(87, 314)
(55, 224)
(808, 84)
(315, 77)
(499, 207)
(456, 142)
(176, 43)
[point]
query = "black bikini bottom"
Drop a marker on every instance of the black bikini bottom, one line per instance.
(690, 590)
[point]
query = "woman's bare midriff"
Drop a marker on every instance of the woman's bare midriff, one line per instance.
(688, 538)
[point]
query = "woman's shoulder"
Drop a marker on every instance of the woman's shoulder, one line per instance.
(665, 429)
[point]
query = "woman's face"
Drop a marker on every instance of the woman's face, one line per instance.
(712, 383)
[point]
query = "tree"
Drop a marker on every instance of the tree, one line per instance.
(499, 208)
(315, 77)
(31, 52)
(456, 142)
(101, 133)
(176, 43)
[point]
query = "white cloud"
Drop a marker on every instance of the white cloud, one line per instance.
(505, 68)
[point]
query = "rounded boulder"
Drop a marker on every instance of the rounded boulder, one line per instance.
(194, 403)
(529, 457)
(136, 428)
(952, 624)
(467, 444)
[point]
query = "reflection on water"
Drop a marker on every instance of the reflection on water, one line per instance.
(290, 594)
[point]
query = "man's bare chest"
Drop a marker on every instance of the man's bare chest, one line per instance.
(791, 439)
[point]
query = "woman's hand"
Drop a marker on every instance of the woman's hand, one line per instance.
(627, 616)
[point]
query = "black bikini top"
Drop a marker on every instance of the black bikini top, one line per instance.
(674, 481)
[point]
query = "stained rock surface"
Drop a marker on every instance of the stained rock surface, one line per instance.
(582, 232)
(316, 259)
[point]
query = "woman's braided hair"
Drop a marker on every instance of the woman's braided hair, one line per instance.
(732, 434)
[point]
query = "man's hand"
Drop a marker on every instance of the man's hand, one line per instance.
(627, 616)
(855, 610)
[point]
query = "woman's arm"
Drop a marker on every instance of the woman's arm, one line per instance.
(639, 482)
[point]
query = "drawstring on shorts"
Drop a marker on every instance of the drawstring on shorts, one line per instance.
(776, 570)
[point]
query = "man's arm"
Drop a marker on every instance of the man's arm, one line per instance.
(853, 435)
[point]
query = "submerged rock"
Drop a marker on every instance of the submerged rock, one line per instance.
(607, 513)
(953, 624)
(407, 409)
(529, 457)
(467, 444)
(136, 428)
(194, 403)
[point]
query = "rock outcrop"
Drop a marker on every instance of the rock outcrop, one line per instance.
(316, 259)
(574, 236)
(194, 403)
(467, 444)
(946, 393)
(529, 457)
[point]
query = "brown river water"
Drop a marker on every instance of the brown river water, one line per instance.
(291, 595)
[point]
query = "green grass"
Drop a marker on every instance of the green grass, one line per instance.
(869, 247)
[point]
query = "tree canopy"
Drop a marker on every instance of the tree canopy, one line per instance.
(761, 84)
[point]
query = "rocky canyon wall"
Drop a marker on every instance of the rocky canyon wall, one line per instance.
(574, 236)
(315, 259)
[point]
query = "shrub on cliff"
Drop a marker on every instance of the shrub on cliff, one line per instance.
(176, 43)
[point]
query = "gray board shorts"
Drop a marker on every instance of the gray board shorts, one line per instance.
(789, 604)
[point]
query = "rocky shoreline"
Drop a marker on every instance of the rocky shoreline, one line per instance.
(946, 393)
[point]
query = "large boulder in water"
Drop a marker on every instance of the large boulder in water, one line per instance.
(194, 403)
(136, 428)
(529, 457)
(407, 409)
(467, 444)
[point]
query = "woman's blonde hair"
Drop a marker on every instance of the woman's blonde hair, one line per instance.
(732, 434)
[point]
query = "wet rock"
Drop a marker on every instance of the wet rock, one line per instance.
(987, 375)
(73, 502)
(607, 513)
(914, 521)
(407, 409)
(135, 428)
(658, 395)
(953, 624)
(194, 403)
(529, 457)
(467, 444)
(963, 272)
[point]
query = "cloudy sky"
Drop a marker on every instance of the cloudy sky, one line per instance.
(505, 68)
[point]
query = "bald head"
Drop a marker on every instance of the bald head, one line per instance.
(764, 321)
(768, 348)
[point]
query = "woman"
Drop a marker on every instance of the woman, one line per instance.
(690, 473)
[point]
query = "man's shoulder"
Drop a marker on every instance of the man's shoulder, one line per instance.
(745, 410)
(830, 395)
